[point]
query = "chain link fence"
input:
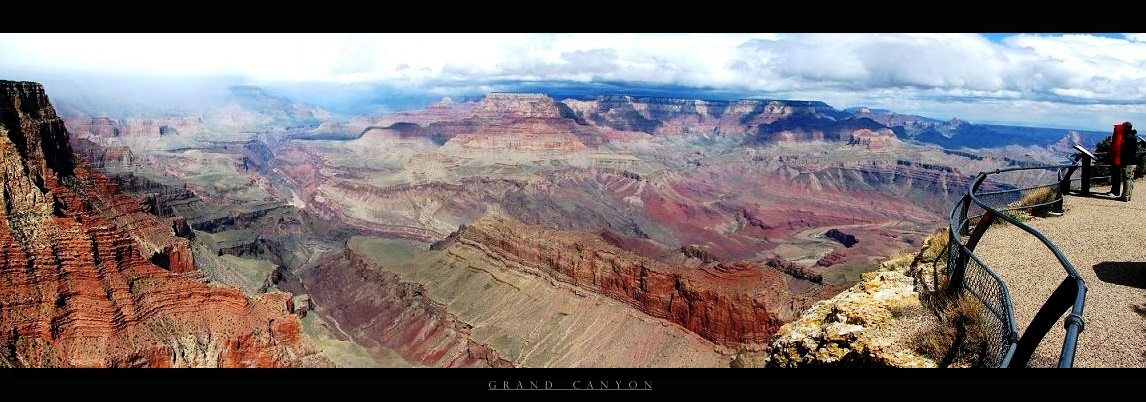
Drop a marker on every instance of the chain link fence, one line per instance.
(975, 279)
(1010, 196)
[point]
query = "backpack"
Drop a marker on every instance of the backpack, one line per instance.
(1116, 142)
(1130, 147)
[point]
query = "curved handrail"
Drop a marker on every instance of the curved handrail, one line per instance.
(1017, 351)
(1047, 242)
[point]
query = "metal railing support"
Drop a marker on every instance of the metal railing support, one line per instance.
(1087, 171)
(1063, 299)
(1063, 189)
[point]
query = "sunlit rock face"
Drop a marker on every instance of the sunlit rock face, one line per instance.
(88, 279)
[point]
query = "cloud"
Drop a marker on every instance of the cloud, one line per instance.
(880, 70)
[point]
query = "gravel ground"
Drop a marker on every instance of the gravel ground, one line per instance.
(1105, 240)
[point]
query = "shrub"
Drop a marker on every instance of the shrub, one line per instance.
(1035, 202)
(961, 336)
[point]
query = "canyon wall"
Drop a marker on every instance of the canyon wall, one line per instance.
(729, 303)
(89, 279)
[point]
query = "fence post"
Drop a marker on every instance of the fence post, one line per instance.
(1063, 188)
(1086, 172)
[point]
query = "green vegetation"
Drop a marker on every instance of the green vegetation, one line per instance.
(24, 225)
(19, 352)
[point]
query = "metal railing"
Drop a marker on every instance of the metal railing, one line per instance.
(971, 217)
(1093, 169)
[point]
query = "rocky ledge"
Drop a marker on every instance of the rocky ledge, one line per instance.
(889, 319)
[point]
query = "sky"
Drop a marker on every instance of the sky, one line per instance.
(1076, 81)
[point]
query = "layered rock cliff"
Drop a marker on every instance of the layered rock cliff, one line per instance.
(88, 279)
(671, 116)
(500, 121)
(455, 304)
(444, 110)
(728, 303)
(111, 157)
(383, 312)
(600, 119)
(107, 127)
(503, 106)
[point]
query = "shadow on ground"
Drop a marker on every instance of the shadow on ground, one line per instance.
(1041, 360)
(1124, 273)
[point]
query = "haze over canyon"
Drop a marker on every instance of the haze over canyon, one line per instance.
(506, 230)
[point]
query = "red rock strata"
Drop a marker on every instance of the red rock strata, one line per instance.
(88, 279)
(379, 309)
(728, 303)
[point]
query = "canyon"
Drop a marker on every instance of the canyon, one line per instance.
(90, 279)
(514, 230)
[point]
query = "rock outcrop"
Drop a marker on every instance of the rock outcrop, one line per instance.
(502, 106)
(868, 325)
(135, 127)
(529, 134)
(100, 127)
(500, 121)
(444, 110)
(846, 239)
(808, 126)
(89, 279)
(897, 316)
(878, 139)
(832, 258)
(110, 157)
(1069, 140)
(608, 118)
(793, 269)
(107, 127)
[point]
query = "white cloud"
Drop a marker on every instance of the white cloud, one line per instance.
(1135, 37)
(899, 69)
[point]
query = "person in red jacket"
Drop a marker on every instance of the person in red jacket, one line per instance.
(1129, 159)
(1123, 157)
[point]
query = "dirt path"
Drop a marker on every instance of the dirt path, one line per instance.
(1105, 240)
